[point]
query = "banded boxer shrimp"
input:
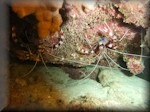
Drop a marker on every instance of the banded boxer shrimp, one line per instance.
(29, 55)
(24, 37)
(41, 48)
(105, 45)
(36, 59)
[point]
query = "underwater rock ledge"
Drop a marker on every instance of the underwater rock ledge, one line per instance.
(84, 33)
(53, 89)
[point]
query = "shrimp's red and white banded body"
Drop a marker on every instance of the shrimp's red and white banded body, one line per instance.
(14, 38)
(61, 39)
(108, 39)
(104, 42)
(85, 51)
(56, 40)
(107, 32)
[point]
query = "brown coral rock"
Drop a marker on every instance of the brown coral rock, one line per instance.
(136, 12)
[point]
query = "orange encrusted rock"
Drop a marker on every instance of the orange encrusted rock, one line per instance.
(43, 15)
(24, 11)
(56, 23)
(24, 8)
(44, 25)
(47, 14)
(43, 29)
(43, 33)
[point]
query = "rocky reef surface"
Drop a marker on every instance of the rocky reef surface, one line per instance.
(103, 33)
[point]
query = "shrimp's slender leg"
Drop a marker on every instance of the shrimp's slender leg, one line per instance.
(39, 55)
(116, 63)
(124, 35)
(43, 61)
(83, 63)
(79, 62)
(94, 67)
(108, 62)
(31, 69)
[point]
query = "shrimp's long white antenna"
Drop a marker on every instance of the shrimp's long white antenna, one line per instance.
(127, 53)
(93, 68)
(105, 56)
(79, 62)
(124, 35)
(142, 46)
(108, 26)
(116, 63)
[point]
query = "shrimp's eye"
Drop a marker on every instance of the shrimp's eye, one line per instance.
(101, 39)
